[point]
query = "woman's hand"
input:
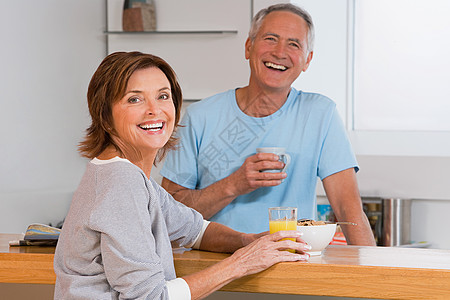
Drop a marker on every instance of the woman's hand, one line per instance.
(257, 256)
(248, 238)
(268, 250)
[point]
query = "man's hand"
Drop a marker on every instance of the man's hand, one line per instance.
(249, 176)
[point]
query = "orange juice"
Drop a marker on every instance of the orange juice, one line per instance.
(283, 218)
(279, 225)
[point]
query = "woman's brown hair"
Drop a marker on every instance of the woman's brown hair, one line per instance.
(107, 86)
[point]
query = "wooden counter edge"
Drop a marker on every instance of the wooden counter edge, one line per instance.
(283, 278)
(335, 280)
(27, 268)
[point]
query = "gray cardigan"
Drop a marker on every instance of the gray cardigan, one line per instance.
(116, 239)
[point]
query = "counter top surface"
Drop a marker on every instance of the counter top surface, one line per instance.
(358, 256)
(346, 271)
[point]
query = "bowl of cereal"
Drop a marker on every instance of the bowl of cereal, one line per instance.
(317, 234)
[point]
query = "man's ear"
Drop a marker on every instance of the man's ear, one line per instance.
(248, 44)
(308, 60)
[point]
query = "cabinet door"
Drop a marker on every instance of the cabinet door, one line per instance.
(401, 65)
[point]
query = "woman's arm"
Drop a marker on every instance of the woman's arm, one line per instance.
(253, 258)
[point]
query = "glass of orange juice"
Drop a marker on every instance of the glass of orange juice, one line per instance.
(282, 218)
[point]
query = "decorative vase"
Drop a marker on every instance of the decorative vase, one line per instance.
(139, 15)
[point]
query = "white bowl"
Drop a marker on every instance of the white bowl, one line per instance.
(318, 237)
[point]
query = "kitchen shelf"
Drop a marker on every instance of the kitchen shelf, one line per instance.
(175, 32)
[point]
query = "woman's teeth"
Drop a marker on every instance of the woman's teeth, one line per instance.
(152, 127)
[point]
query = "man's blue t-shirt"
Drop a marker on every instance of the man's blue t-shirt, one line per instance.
(217, 137)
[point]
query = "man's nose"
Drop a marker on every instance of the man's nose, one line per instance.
(279, 50)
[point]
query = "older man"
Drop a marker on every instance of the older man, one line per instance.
(215, 169)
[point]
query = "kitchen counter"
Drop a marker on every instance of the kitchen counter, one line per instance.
(346, 271)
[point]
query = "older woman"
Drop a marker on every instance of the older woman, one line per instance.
(117, 238)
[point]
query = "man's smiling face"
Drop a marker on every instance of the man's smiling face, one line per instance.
(278, 54)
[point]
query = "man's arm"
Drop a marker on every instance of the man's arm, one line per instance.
(220, 238)
(343, 194)
(207, 201)
(247, 178)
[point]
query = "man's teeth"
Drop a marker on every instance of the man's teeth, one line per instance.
(274, 66)
(152, 127)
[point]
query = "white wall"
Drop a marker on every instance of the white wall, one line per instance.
(49, 51)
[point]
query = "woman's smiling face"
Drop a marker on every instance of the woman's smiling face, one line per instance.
(144, 117)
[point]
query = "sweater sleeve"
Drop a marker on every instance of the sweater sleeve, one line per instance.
(184, 224)
(178, 289)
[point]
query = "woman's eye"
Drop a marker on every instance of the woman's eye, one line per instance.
(134, 100)
(164, 97)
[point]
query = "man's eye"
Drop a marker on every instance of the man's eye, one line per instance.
(295, 45)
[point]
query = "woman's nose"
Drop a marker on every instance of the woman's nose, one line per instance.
(153, 107)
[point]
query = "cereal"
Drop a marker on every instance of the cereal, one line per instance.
(308, 222)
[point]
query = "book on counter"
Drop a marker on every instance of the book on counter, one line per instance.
(38, 235)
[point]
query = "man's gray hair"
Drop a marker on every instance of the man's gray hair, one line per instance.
(259, 17)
